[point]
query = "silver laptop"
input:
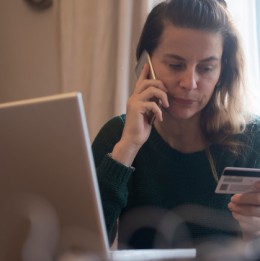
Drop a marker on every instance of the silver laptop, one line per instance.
(49, 196)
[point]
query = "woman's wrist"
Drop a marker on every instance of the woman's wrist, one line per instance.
(124, 153)
(111, 157)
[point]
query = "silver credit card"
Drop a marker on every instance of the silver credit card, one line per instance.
(236, 180)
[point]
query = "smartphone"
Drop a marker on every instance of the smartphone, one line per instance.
(236, 180)
(145, 59)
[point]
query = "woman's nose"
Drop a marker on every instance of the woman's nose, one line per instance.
(189, 79)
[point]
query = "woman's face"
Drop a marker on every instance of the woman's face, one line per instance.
(188, 62)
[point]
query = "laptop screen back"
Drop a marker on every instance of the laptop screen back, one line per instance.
(48, 188)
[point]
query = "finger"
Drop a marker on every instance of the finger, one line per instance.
(148, 83)
(154, 92)
(151, 107)
(252, 198)
(246, 210)
(145, 82)
(248, 224)
(144, 108)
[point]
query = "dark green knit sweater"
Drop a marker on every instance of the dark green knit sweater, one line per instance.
(169, 200)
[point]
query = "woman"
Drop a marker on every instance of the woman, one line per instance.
(168, 171)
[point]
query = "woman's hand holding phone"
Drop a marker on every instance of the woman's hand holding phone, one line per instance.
(145, 59)
(137, 126)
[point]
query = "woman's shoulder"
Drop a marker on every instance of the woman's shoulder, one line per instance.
(252, 132)
(254, 124)
(113, 127)
(116, 122)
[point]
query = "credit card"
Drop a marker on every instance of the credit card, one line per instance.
(237, 180)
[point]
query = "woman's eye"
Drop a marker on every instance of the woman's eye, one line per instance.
(205, 69)
(176, 66)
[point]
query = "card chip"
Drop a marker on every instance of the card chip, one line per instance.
(223, 187)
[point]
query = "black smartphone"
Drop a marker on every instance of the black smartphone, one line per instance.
(145, 59)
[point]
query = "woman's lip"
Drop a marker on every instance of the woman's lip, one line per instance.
(183, 101)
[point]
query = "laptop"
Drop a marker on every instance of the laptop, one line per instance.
(49, 195)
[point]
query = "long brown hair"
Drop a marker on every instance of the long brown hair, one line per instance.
(225, 115)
